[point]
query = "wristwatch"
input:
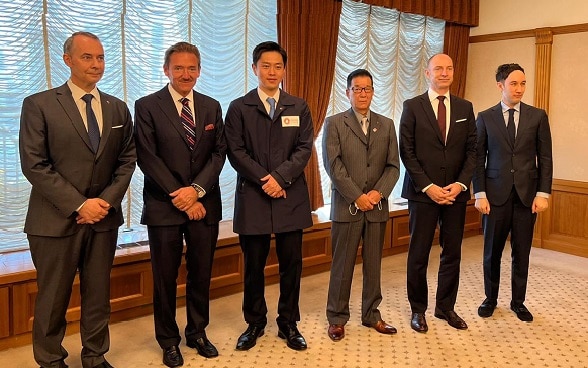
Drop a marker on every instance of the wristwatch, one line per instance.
(201, 192)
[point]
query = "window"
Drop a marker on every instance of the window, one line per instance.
(394, 47)
(135, 35)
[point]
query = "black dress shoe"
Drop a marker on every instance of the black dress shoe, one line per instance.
(104, 364)
(294, 340)
(172, 357)
(487, 307)
(522, 312)
(419, 323)
(248, 338)
(452, 319)
(203, 346)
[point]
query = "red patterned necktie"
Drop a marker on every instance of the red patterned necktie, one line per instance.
(442, 116)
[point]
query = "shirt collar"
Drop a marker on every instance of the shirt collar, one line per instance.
(433, 95)
(177, 97)
(77, 93)
(359, 116)
(264, 96)
(505, 108)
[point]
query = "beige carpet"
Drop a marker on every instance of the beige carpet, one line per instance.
(558, 337)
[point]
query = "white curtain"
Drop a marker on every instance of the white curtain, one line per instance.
(394, 47)
(135, 35)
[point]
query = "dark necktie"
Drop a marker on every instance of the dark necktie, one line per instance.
(442, 116)
(93, 129)
(188, 122)
(272, 103)
(510, 127)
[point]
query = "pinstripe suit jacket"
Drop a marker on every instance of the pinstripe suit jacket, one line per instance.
(358, 164)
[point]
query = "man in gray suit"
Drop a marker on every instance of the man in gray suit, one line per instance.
(360, 154)
(77, 151)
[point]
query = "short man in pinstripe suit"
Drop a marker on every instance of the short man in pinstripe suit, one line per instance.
(360, 154)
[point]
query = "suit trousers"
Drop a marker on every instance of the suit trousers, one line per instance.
(166, 244)
(423, 220)
(515, 218)
(56, 261)
(255, 251)
(345, 239)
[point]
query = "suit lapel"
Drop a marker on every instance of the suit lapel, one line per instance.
(428, 109)
(107, 119)
(498, 118)
(65, 98)
(198, 116)
(168, 107)
(374, 127)
(523, 114)
(351, 121)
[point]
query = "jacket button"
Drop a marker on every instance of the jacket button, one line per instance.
(512, 170)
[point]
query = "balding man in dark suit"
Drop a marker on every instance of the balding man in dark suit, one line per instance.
(77, 151)
(438, 149)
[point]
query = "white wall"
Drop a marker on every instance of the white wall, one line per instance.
(507, 15)
(567, 117)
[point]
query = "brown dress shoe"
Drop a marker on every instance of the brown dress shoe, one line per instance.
(382, 327)
(336, 332)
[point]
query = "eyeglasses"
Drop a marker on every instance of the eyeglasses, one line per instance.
(357, 90)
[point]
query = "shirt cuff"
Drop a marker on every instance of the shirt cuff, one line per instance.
(542, 194)
(480, 195)
(463, 186)
(427, 188)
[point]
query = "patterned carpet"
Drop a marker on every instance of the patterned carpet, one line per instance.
(558, 337)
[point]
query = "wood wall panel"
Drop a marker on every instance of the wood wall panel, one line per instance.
(5, 315)
(564, 225)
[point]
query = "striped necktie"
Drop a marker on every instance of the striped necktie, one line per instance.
(188, 122)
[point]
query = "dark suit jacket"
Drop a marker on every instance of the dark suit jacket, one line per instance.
(259, 146)
(426, 159)
(356, 165)
(528, 165)
(167, 161)
(57, 159)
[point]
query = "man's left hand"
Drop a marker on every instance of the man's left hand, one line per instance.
(540, 204)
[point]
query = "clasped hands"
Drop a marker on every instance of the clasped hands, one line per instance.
(92, 211)
(445, 195)
(272, 188)
(185, 199)
(367, 201)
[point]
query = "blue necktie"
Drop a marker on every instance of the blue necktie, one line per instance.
(188, 122)
(272, 103)
(93, 129)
